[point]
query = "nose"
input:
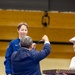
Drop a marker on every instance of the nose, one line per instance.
(24, 31)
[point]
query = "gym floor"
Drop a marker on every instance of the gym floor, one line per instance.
(45, 64)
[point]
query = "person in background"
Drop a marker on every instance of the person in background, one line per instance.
(14, 46)
(26, 60)
(72, 64)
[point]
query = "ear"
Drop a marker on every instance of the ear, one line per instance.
(17, 30)
(31, 47)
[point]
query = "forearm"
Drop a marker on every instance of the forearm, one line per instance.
(7, 64)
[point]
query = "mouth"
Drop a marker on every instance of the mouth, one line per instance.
(22, 35)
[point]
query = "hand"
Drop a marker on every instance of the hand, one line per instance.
(45, 38)
(33, 45)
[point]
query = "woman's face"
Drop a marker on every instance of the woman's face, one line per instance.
(74, 45)
(22, 31)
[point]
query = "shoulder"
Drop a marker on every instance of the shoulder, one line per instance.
(15, 40)
(73, 58)
(13, 54)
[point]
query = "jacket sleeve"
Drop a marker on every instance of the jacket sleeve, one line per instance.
(39, 55)
(7, 61)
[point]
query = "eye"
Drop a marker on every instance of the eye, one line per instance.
(25, 29)
(22, 29)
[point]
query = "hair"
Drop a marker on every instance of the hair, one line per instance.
(26, 41)
(22, 23)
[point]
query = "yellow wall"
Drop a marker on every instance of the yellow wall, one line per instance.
(60, 29)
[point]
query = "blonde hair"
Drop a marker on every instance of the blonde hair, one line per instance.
(22, 23)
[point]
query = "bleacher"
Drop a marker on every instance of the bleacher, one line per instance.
(60, 30)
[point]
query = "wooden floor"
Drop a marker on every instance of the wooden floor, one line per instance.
(2, 66)
(44, 64)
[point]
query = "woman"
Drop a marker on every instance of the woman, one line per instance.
(72, 64)
(14, 46)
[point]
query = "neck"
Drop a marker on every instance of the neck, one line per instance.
(27, 48)
(19, 37)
